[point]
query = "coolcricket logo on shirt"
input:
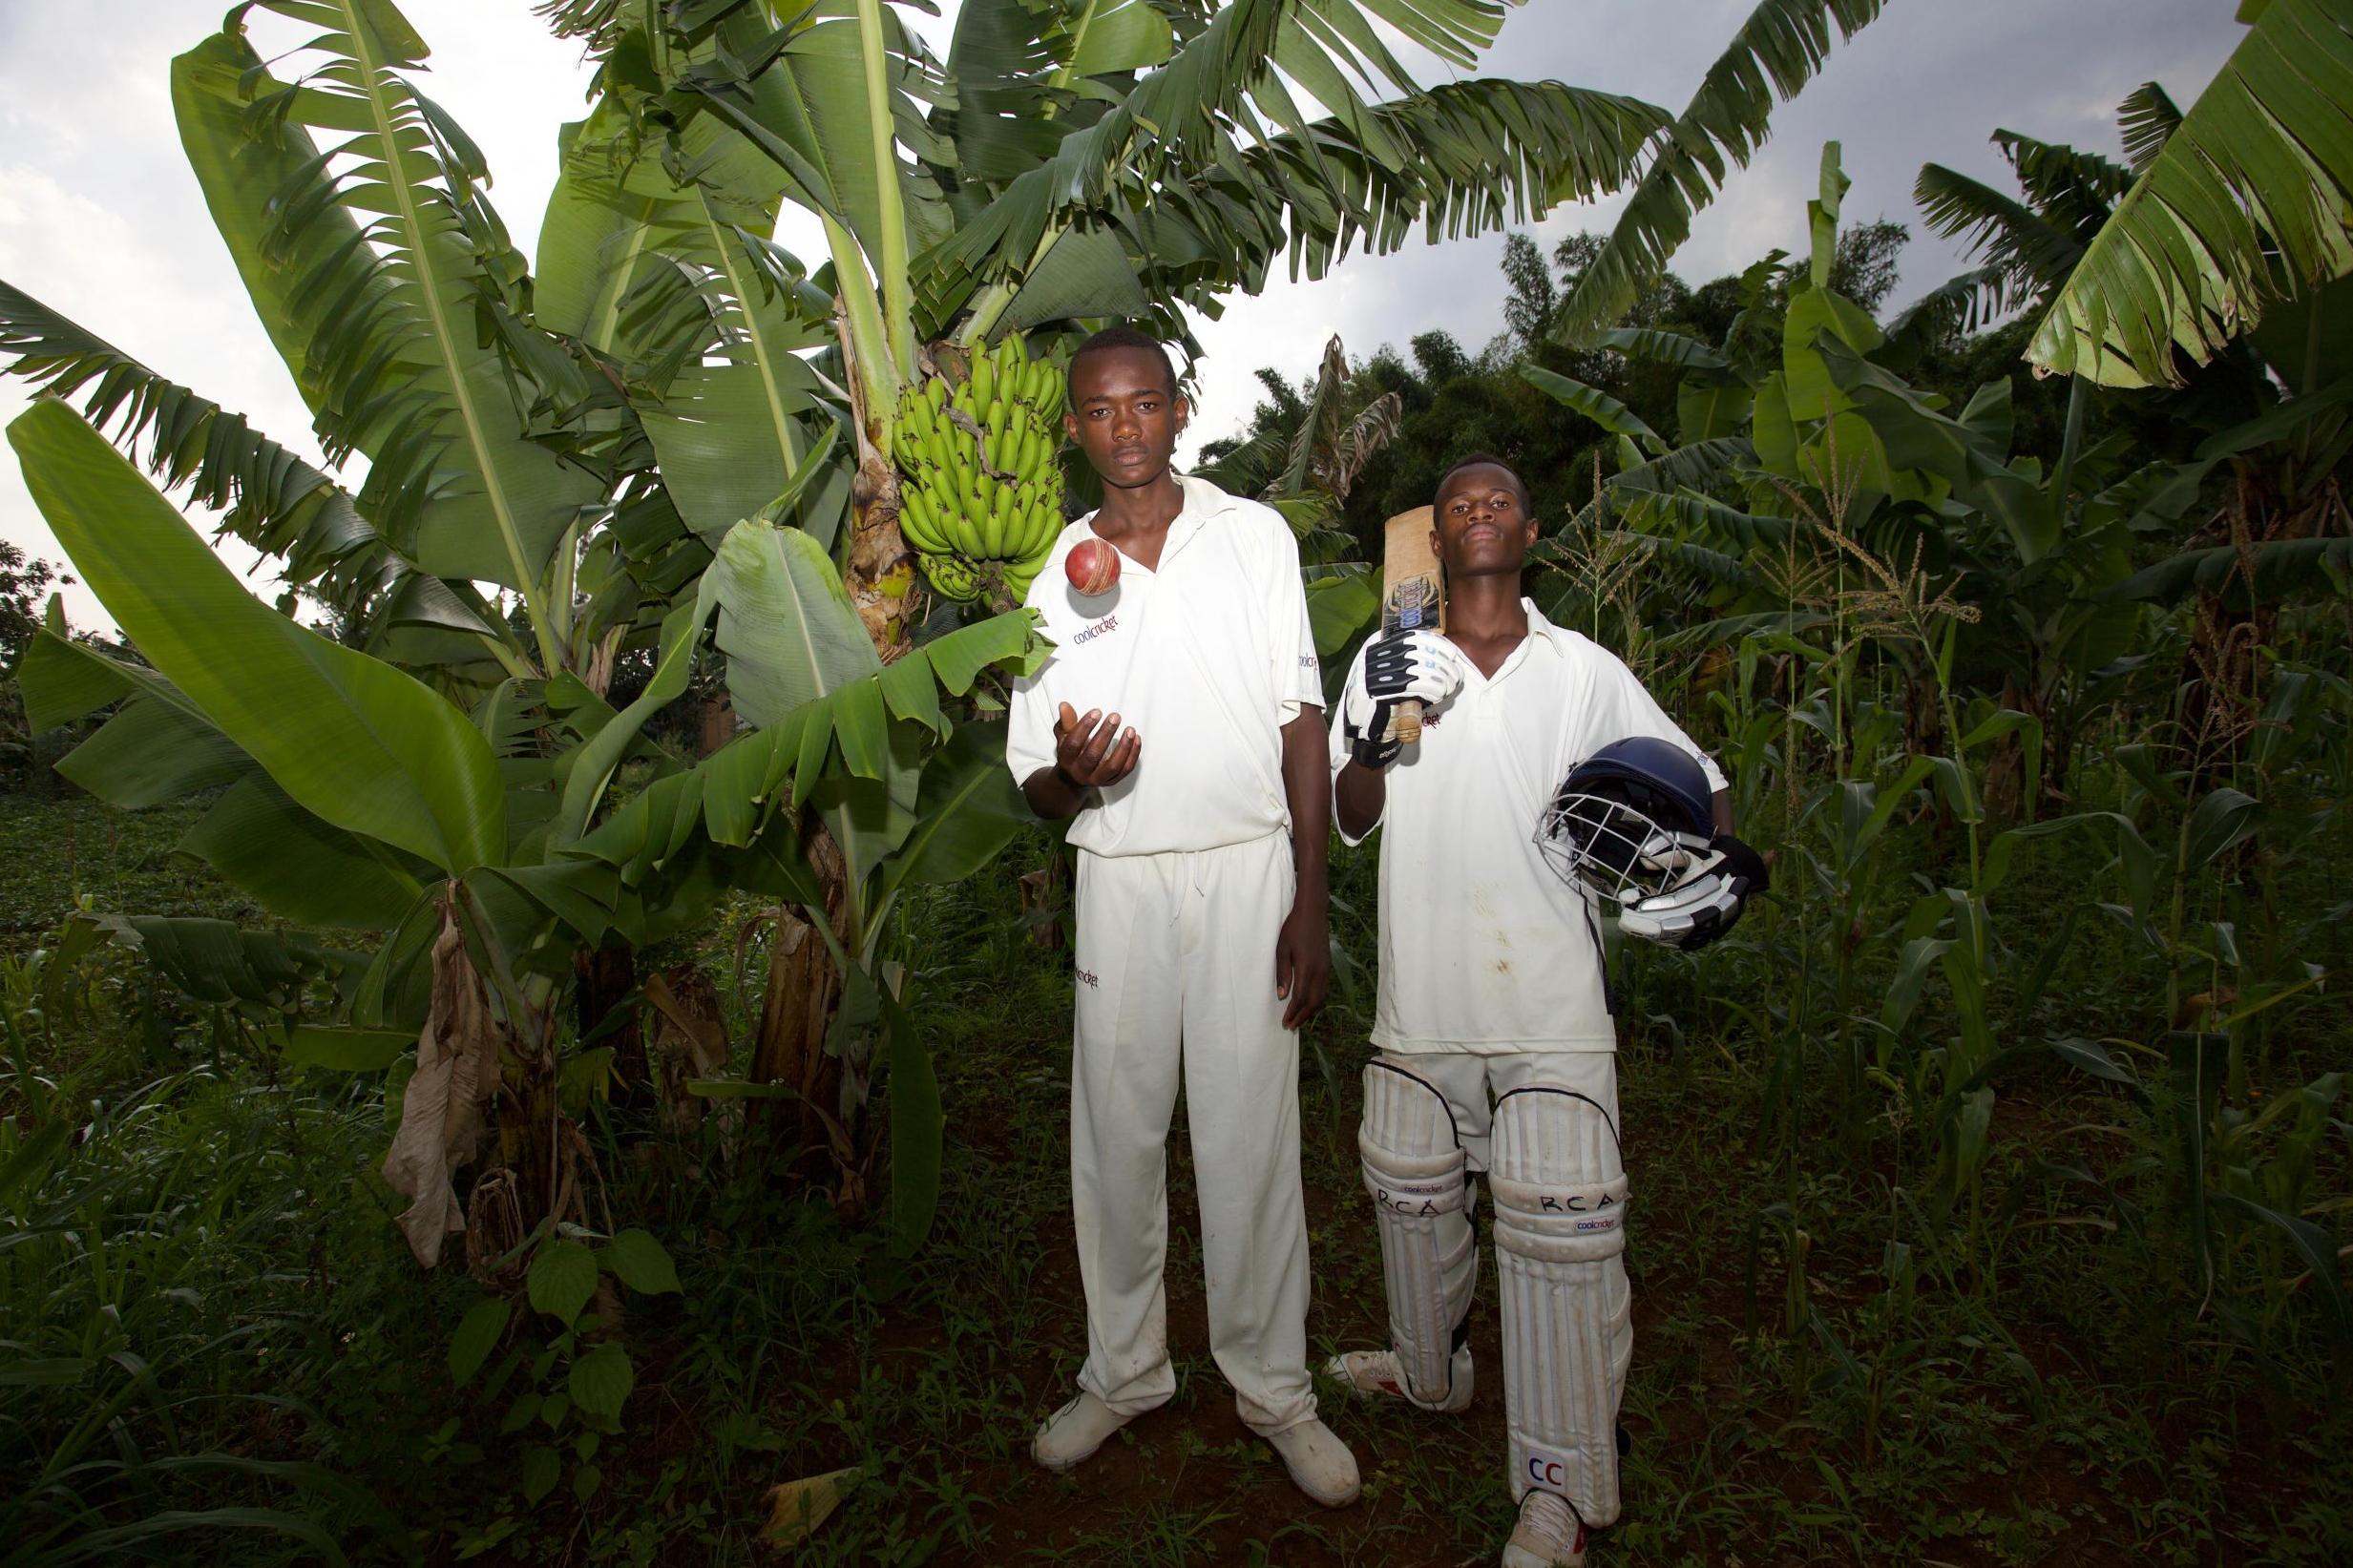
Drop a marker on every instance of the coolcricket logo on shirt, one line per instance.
(1108, 623)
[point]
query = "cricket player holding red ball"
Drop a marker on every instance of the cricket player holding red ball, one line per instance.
(1179, 725)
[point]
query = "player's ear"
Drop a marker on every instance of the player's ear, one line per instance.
(1184, 409)
(1070, 426)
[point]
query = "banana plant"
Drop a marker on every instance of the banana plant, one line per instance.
(515, 538)
(2242, 207)
(902, 810)
(2028, 245)
(356, 795)
(1306, 449)
(1088, 159)
(373, 261)
(606, 445)
(506, 449)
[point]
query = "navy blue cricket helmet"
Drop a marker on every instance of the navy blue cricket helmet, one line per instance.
(1628, 818)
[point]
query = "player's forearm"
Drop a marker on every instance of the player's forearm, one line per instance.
(1305, 770)
(1722, 804)
(1359, 796)
(1052, 796)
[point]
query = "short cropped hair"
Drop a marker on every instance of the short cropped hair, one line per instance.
(1484, 460)
(1125, 337)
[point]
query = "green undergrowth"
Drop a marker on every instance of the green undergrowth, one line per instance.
(62, 845)
(216, 1349)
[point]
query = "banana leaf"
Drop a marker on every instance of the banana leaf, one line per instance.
(357, 742)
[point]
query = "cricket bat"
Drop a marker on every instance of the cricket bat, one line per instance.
(1413, 594)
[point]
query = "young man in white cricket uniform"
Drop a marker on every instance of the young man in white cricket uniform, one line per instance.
(1491, 984)
(1179, 724)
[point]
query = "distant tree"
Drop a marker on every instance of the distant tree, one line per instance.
(1661, 300)
(1438, 357)
(1527, 309)
(25, 585)
(1714, 304)
(1306, 449)
(1864, 267)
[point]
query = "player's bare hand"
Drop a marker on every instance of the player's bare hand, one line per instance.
(1090, 750)
(1303, 964)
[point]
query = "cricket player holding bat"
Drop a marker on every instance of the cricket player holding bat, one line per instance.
(1179, 724)
(1539, 752)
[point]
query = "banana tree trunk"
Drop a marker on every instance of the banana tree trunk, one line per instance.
(603, 981)
(881, 570)
(717, 727)
(2005, 763)
(484, 1095)
(540, 1160)
(796, 1023)
(881, 575)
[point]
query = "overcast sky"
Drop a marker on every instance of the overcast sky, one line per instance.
(101, 218)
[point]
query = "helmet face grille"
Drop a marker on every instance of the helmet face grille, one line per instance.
(1614, 843)
(1606, 834)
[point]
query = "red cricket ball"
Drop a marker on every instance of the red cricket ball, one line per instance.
(1092, 567)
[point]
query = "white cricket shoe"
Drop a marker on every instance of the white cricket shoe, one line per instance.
(1075, 1433)
(1376, 1373)
(1549, 1534)
(1319, 1463)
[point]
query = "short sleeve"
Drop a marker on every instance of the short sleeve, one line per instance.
(1298, 679)
(1623, 707)
(1029, 728)
(1343, 743)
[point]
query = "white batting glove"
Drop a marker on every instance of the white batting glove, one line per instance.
(1707, 902)
(1399, 665)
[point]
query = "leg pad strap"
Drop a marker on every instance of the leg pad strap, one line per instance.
(1557, 1222)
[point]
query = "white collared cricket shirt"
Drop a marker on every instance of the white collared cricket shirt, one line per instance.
(1484, 949)
(1206, 657)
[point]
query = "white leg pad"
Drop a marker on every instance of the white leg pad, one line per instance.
(1569, 1329)
(1414, 1169)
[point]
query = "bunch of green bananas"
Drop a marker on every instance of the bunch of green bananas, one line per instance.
(983, 509)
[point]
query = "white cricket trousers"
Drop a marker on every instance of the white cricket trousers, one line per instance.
(1175, 957)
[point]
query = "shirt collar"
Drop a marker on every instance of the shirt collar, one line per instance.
(1540, 632)
(1202, 501)
(1559, 636)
